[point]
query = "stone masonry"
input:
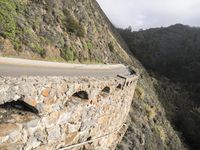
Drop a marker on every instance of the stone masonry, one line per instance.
(50, 113)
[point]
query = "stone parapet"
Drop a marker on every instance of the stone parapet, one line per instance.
(64, 112)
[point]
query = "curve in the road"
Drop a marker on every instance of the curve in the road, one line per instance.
(23, 67)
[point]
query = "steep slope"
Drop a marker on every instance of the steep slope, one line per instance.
(73, 30)
(172, 55)
(148, 126)
(61, 30)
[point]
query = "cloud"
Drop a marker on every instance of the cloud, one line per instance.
(151, 13)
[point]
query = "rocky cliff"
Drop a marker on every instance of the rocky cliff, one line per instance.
(78, 31)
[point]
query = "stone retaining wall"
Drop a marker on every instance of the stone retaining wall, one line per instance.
(48, 113)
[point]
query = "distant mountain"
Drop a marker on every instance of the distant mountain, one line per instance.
(172, 51)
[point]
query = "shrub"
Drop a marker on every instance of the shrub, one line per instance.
(7, 20)
(39, 49)
(72, 25)
(67, 54)
(8, 25)
(17, 44)
(89, 45)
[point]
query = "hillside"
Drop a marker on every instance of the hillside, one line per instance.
(159, 49)
(78, 31)
(172, 55)
(57, 30)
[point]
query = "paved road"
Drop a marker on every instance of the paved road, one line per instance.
(20, 67)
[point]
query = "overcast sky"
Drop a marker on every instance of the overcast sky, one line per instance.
(151, 13)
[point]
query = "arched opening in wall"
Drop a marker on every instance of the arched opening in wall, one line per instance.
(81, 94)
(106, 90)
(127, 84)
(19, 105)
(119, 86)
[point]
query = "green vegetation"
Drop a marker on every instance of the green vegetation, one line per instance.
(29, 31)
(91, 62)
(98, 61)
(29, 34)
(72, 25)
(21, 7)
(181, 105)
(7, 20)
(36, 23)
(68, 54)
(8, 25)
(33, 41)
(55, 59)
(173, 52)
(39, 49)
(17, 44)
(89, 45)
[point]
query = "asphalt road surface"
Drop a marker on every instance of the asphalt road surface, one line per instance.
(22, 67)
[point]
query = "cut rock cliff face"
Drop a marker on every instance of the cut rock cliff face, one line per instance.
(78, 31)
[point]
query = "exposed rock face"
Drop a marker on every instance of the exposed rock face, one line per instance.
(59, 112)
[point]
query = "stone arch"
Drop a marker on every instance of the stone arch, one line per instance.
(106, 90)
(19, 105)
(119, 86)
(81, 94)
